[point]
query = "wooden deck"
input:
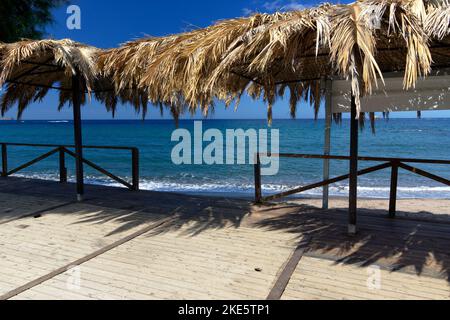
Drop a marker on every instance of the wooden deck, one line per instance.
(119, 244)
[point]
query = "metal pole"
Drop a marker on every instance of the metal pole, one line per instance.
(353, 195)
(76, 92)
(327, 147)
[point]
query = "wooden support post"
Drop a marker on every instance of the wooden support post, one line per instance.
(394, 185)
(327, 146)
(62, 166)
(258, 190)
(135, 168)
(353, 185)
(76, 99)
(4, 161)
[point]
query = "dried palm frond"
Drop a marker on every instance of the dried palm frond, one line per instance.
(437, 21)
(353, 45)
(32, 67)
(262, 55)
(267, 53)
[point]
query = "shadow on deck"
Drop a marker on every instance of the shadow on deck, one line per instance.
(404, 244)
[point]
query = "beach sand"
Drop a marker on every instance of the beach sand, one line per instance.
(427, 209)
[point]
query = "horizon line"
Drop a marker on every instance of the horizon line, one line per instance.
(217, 119)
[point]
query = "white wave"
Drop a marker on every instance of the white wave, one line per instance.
(231, 188)
(59, 121)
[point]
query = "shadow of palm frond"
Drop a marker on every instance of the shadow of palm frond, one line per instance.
(415, 242)
(415, 246)
(189, 218)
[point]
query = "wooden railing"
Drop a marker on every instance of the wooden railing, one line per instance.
(393, 163)
(62, 150)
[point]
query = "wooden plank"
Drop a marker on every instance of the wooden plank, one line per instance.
(37, 213)
(323, 279)
(211, 249)
(78, 262)
(39, 246)
(13, 206)
(359, 275)
(174, 264)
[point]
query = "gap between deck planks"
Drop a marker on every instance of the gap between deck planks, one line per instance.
(286, 274)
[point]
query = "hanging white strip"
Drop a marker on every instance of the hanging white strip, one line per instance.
(433, 93)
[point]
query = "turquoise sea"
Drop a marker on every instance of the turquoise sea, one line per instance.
(421, 138)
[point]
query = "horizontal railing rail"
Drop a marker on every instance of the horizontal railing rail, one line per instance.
(62, 150)
(332, 157)
(393, 163)
(65, 145)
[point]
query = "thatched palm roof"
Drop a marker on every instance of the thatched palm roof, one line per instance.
(266, 55)
(30, 68)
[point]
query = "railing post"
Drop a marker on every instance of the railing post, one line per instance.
(4, 161)
(135, 168)
(78, 137)
(258, 191)
(62, 166)
(394, 185)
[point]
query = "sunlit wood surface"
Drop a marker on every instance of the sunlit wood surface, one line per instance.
(119, 244)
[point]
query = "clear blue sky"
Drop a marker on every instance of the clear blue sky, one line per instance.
(107, 24)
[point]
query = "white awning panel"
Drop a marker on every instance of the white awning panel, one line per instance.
(433, 93)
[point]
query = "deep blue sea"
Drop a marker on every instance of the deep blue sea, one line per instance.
(422, 138)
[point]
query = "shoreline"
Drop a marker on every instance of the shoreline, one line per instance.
(288, 199)
(229, 194)
(295, 199)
